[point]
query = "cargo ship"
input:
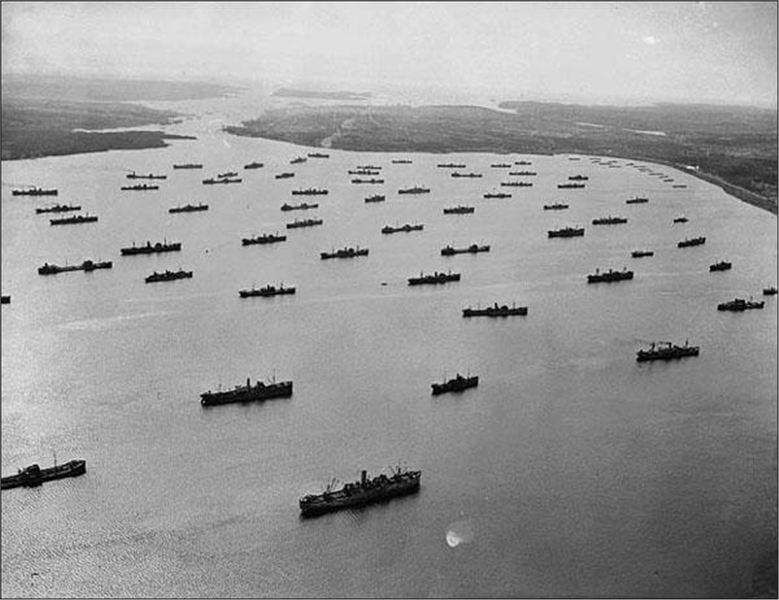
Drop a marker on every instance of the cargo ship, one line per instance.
(521, 163)
(769, 291)
(150, 248)
(450, 166)
(637, 200)
(74, 220)
(679, 186)
(523, 173)
(609, 221)
(578, 178)
(459, 210)
(309, 192)
(57, 208)
(140, 187)
(363, 172)
(566, 232)
(497, 195)
(516, 184)
(722, 265)
(265, 238)
(469, 175)
(35, 191)
(346, 252)
(225, 180)
(135, 175)
(680, 219)
(284, 175)
(188, 208)
(317, 155)
(372, 180)
(609, 276)
(248, 393)
(254, 165)
(500, 166)
(188, 166)
(740, 305)
(456, 384)
(361, 493)
(87, 266)
(168, 276)
(375, 198)
(417, 189)
(267, 291)
(302, 206)
(304, 223)
(698, 241)
(298, 160)
(555, 206)
(434, 279)
(5, 299)
(401, 161)
(641, 253)
(226, 175)
(405, 228)
(33, 475)
(570, 186)
(472, 249)
(666, 351)
(369, 167)
(496, 311)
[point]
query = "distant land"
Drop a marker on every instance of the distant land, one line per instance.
(41, 116)
(293, 93)
(733, 147)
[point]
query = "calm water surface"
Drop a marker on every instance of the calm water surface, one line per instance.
(570, 470)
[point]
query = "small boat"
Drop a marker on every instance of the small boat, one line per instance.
(569, 186)
(227, 175)
(578, 178)
(515, 184)
(523, 173)
(457, 174)
(450, 166)
(317, 155)
(222, 180)
(298, 160)
(401, 161)
(372, 180)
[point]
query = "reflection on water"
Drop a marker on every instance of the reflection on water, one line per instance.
(570, 470)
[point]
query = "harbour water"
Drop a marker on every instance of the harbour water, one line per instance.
(571, 470)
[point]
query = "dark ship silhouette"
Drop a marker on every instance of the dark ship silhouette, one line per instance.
(456, 384)
(346, 252)
(609, 276)
(740, 305)
(248, 393)
(666, 351)
(34, 476)
(150, 248)
(472, 249)
(168, 276)
(87, 266)
(267, 291)
(495, 311)
(265, 238)
(434, 279)
(188, 208)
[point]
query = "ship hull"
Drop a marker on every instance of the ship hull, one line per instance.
(278, 390)
(25, 479)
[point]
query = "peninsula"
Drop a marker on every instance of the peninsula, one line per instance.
(734, 147)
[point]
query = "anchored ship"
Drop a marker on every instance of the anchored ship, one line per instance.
(523, 163)
(304, 223)
(150, 248)
(609, 220)
(226, 175)
(5, 299)
(457, 384)
(212, 181)
(168, 276)
(566, 232)
(87, 266)
(309, 192)
(450, 166)
(140, 187)
(500, 166)
(188, 208)
(459, 210)
(497, 195)
(516, 184)
(135, 175)
(265, 238)
(637, 200)
(681, 220)
(641, 253)
(406, 228)
(722, 265)
(301, 206)
(414, 190)
(298, 160)
(401, 161)
(254, 165)
(472, 249)
(523, 173)
(188, 166)
(267, 291)
(317, 155)
(74, 220)
(372, 180)
(362, 172)
(578, 178)
(248, 393)
(569, 186)
(470, 175)
(555, 206)
(495, 311)
(35, 191)
(284, 175)
(33, 475)
(666, 351)
(57, 208)
(740, 305)
(360, 493)
(375, 198)
(346, 252)
(609, 276)
(769, 291)
(434, 279)
(691, 242)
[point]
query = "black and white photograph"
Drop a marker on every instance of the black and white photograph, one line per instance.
(388, 299)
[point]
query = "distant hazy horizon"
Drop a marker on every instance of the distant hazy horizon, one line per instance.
(579, 52)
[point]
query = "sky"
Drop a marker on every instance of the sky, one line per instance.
(720, 52)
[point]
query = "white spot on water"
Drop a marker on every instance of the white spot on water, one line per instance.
(459, 532)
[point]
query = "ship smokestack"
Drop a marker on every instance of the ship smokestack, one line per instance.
(363, 477)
